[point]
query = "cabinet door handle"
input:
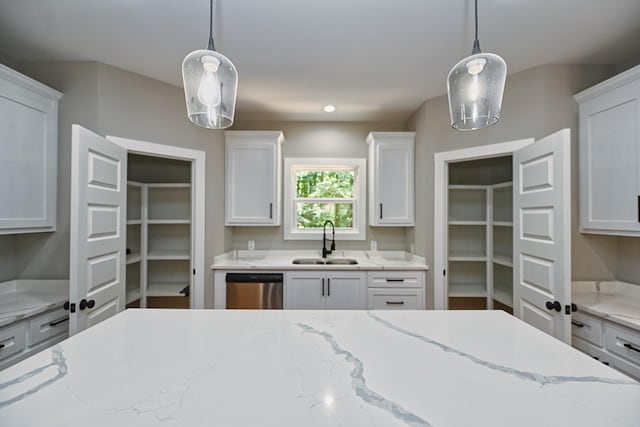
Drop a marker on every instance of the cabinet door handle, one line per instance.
(638, 208)
(381, 210)
(395, 280)
(322, 287)
(631, 347)
(328, 287)
(57, 322)
(577, 324)
(270, 210)
(395, 302)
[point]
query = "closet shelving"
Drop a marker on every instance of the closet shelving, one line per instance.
(159, 239)
(480, 248)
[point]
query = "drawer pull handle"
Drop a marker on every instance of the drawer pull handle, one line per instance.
(631, 347)
(395, 302)
(606, 363)
(57, 322)
(577, 324)
(395, 280)
(1, 346)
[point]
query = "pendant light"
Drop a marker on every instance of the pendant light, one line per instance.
(475, 86)
(210, 85)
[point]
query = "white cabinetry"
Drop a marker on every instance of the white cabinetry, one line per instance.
(391, 178)
(609, 156)
(612, 344)
(395, 290)
(253, 177)
(28, 336)
(159, 244)
(29, 147)
(318, 290)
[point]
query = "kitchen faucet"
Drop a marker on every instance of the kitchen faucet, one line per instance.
(326, 251)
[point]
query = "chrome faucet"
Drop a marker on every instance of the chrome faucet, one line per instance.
(326, 251)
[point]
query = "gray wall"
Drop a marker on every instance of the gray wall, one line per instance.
(319, 139)
(537, 102)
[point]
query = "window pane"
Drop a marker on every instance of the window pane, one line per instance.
(324, 184)
(314, 215)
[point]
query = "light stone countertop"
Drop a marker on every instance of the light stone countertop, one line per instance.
(283, 260)
(25, 298)
(616, 301)
(314, 368)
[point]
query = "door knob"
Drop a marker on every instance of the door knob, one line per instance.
(87, 304)
(550, 305)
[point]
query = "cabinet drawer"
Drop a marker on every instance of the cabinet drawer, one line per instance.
(586, 327)
(395, 279)
(595, 352)
(623, 342)
(394, 299)
(12, 338)
(48, 325)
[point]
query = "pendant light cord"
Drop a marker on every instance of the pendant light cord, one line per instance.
(476, 42)
(212, 45)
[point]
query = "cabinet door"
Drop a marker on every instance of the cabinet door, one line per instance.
(252, 194)
(305, 291)
(609, 151)
(391, 163)
(346, 291)
(28, 164)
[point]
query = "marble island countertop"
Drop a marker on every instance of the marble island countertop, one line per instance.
(617, 301)
(314, 368)
(283, 260)
(25, 298)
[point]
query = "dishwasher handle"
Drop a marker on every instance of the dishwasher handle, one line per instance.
(254, 278)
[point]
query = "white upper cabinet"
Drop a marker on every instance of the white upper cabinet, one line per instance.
(253, 177)
(391, 179)
(29, 146)
(609, 156)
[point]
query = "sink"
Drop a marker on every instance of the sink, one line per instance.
(308, 261)
(341, 261)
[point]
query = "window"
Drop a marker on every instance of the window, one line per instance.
(318, 190)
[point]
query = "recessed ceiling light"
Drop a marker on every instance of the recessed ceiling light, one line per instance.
(329, 108)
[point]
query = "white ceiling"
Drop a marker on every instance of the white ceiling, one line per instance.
(373, 59)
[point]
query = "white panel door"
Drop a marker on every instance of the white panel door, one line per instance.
(98, 204)
(346, 291)
(541, 234)
(395, 184)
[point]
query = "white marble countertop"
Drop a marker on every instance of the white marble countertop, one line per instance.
(617, 301)
(25, 298)
(283, 260)
(314, 368)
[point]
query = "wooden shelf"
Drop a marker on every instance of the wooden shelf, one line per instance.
(168, 255)
(169, 289)
(170, 185)
(503, 185)
(132, 296)
(503, 260)
(477, 290)
(466, 222)
(502, 223)
(134, 221)
(467, 258)
(169, 221)
(133, 258)
(503, 297)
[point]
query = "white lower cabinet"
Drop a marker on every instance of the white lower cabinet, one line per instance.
(318, 290)
(28, 336)
(395, 290)
(612, 344)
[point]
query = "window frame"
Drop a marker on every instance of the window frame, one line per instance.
(294, 164)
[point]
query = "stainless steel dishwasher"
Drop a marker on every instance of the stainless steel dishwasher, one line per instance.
(254, 291)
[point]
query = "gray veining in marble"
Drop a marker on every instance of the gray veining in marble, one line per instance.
(359, 383)
(57, 360)
(525, 375)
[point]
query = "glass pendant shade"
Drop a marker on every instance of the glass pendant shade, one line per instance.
(475, 87)
(210, 88)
